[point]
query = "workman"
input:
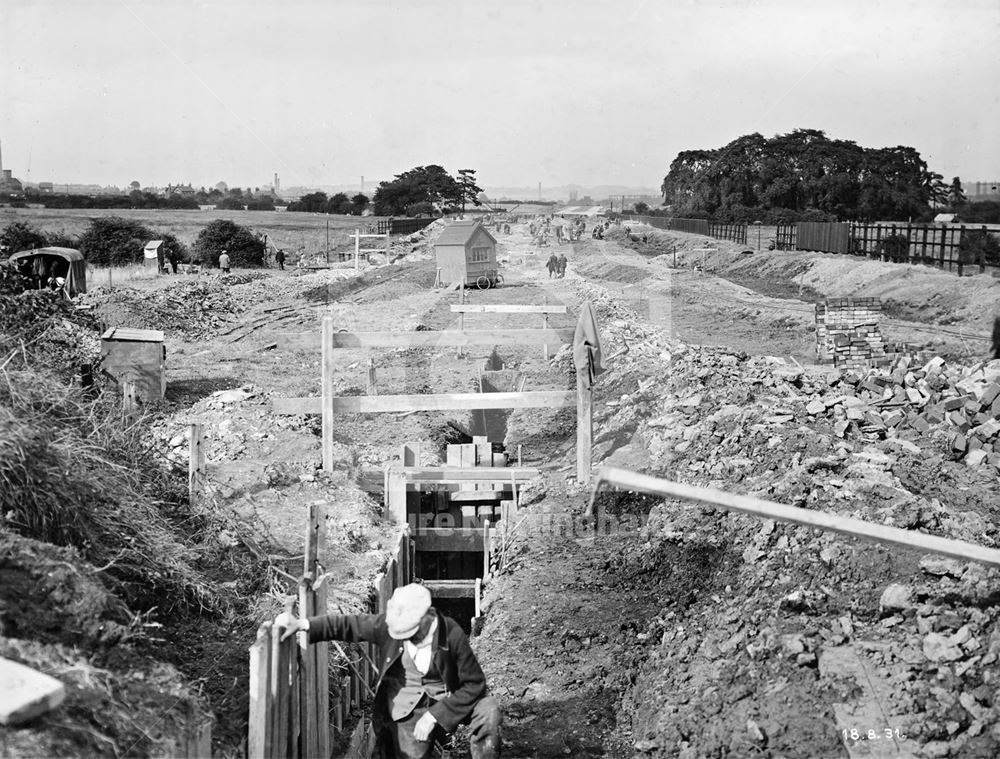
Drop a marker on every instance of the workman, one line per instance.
(224, 262)
(562, 265)
(279, 258)
(429, 679)
(552, 265)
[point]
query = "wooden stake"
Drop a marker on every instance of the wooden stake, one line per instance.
(196, 464)
(372, 389)
(327, 392)
(130, 401)
(545, 325)
(584, 428)
(357, 249)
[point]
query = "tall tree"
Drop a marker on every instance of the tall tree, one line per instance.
(955, 193)
(419, 186)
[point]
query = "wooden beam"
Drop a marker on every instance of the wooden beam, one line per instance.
(469, 308)
(455, 474)
(443, 540)
(196, 463)
(860, 528)
(428, 339)
(451, 588)
(476, 496)
(378, 404)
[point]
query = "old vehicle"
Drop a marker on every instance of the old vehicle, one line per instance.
(61, 269)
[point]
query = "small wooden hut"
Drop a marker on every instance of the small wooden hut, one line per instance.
(467, 253)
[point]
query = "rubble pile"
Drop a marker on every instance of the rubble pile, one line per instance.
(194, 308)
(962, 404)
(747, 646)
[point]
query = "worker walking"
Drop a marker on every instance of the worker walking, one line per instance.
(552, 264)
(562, 265)
(279, 258)
(224, 262)
(430, 681)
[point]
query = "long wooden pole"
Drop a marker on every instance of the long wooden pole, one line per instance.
(357, 249)
(327, 392)
(584, 428)
(860, 528)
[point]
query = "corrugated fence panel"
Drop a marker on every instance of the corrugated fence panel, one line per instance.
(823, 236)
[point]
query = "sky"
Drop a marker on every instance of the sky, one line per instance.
(324, 92)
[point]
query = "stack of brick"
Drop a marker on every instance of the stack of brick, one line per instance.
(847, 332)
(962, 403)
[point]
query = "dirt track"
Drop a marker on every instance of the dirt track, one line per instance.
(699, 635)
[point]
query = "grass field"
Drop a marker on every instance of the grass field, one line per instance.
(291, 231)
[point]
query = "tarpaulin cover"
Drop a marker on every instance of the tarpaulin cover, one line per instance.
(587, 347)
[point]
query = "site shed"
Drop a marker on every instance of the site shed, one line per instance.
(137, 355)
(467, 253)
(153, 255)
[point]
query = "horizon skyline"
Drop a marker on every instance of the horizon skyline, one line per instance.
(523, 93)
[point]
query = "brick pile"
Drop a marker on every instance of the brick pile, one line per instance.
(963, 403)
(847, 332)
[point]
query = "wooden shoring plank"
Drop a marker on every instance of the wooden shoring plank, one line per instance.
(486, 550)
(282, 656)
(260, 726)
(499, 308)
(426, 339)
(308, 714)
(379, 404)
(315, 538)
(321, 674)
(447, 540)
(451, 588)
(844, 525)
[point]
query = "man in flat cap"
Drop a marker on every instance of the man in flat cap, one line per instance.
(429, 679)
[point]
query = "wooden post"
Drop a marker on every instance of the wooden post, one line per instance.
(545, 325)
(372, 389)
(357, 249)
(410, 455)
(982, 252)
(280, 701)
(130, 401)
(519, 455)
(923, 245)
(486, 548)
(584, 428)
(196, 464)
(110, 284)
(943, 231)
(327, 392)
(958, 248)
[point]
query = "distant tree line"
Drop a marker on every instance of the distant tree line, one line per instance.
(800, 176)
(340, 203)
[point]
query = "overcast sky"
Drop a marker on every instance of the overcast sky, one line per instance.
(560, 91)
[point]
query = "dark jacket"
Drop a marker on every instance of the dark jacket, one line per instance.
(453, 658)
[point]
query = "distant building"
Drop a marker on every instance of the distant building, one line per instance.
(46, 188)
(9, 185)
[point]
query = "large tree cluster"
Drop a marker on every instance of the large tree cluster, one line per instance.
(800, 174)
(425, 189)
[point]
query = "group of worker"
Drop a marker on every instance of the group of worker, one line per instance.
(556, 265)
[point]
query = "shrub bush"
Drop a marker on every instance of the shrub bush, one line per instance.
(20, 235)
(244, 248)
(114, 241)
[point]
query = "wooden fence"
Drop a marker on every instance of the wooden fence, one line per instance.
(930, 244)
(725, 231)
(401, 226)
(717, 229)
(291, 712)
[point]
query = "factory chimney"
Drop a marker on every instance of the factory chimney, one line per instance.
(277, 184)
